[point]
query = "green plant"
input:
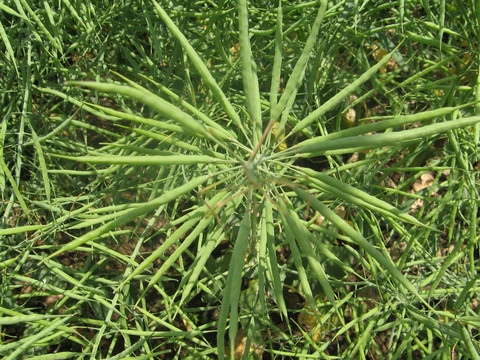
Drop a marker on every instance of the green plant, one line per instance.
(233, 168)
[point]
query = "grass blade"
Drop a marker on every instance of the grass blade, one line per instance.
(15, 189)
(355, 196)
(153, 101)
(201, 68)
(298, 261)
(233, 288)
(397, 121)
(8, 46)
(385, 262)
(190, 278)
(249, 75)
(366, 142)
(24, 344)
(137, 160)
(41, 26)
(42, 163)
(178, 100)
(21, 229)
(115, 115)
(299, 70)
(195, 233)
(467, 338)
(301, 235)
(277, 60)
(268, 231)
(130, 215)
(335, 100)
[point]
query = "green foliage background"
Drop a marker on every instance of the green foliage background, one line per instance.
(148, 211)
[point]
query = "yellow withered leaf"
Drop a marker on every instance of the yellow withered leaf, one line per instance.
(378, 54)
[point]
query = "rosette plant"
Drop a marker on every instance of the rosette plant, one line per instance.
(255, 183)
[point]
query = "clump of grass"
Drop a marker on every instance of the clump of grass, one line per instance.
(192, 180)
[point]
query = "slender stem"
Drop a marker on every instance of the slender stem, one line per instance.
(262, 139)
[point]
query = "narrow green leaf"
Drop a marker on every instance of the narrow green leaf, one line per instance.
(469, 344)
(189, 280)
(200, 66)
(299, 70)
(233, 288)
(76, 102)
(397, 121)
(12, 320)
(268, 226)
(137, 160)
(385, 262)
(42, 27)
(55, 131)
(15, 189)
(302, 235)
(3, 133)
(335, 100)
(192, 236)
(8, 262)
(117, 115)
(61, 355)
(23, 345)
(179, 143)
(195, 217)
(291, 237)
(366, 142)
(129, 350)
(222, 132)
(249, 75)
(10, 11)
(462, 297)
(277, 60)
(8, 46)
(132, 214)
(355, 196)
(42, 163)
(21, 229)
(153, 101)
(79, 296)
